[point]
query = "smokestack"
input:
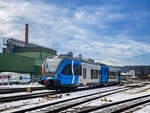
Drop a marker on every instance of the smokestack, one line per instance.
(26, 34)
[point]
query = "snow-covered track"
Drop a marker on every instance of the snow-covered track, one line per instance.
(16, 90)
(67, 103)
(18, 97)
(26, 96)
(118, 107)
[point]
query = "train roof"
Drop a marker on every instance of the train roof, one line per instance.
(89, 61)
(114, 69)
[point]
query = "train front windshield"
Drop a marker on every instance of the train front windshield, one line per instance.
(51, 65)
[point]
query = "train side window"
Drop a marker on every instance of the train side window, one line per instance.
(119, 73)
(80, 70)
(114, 74)
(75, 68)
(67, 70)
(96, 74)
(104, 72)
(99, 74)
(84, 73)
(46, 69)
(110, 75)
(92, 73)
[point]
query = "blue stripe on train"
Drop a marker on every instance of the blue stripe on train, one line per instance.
(68, 79)
(119, 78)
(76, 79)
(104, 74)
(44, 78)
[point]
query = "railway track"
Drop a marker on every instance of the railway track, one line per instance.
(71, 102)
(120, 106)
(16, 90)
(35, 95)
(25, 96)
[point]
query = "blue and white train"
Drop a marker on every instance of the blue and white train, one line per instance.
(61, 72)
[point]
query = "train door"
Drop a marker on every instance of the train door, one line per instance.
(66, 74)
(99, 75)
(119, 77)
(84, 76)
(69, 72)
(76, 71)
(80, 81)
(104, 74)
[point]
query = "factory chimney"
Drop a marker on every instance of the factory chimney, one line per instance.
(26, 34)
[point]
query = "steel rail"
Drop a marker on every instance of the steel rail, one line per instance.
(71, 99)
(16, 90)
(120, 106)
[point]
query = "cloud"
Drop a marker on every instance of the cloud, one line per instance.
(100, 33)
(116, 53)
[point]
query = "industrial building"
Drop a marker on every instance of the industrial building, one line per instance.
(140, 71)
(23, 57)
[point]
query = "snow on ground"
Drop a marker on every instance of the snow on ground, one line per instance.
(137, 92)
(24, 93)
(145, 109)
(39, 101)
(35, 101)
(21, 85)
(132, 93)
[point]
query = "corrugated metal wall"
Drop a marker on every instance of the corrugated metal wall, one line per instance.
(15, 63)
(25, 60)
(38, 53)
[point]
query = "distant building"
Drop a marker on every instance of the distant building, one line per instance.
(128, 75)
(140, 71)
(17, 57)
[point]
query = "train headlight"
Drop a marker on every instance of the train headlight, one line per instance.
(56, 75)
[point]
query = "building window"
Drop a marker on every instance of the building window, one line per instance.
(67, 70)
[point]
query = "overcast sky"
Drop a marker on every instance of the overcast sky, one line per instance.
(114, 32)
